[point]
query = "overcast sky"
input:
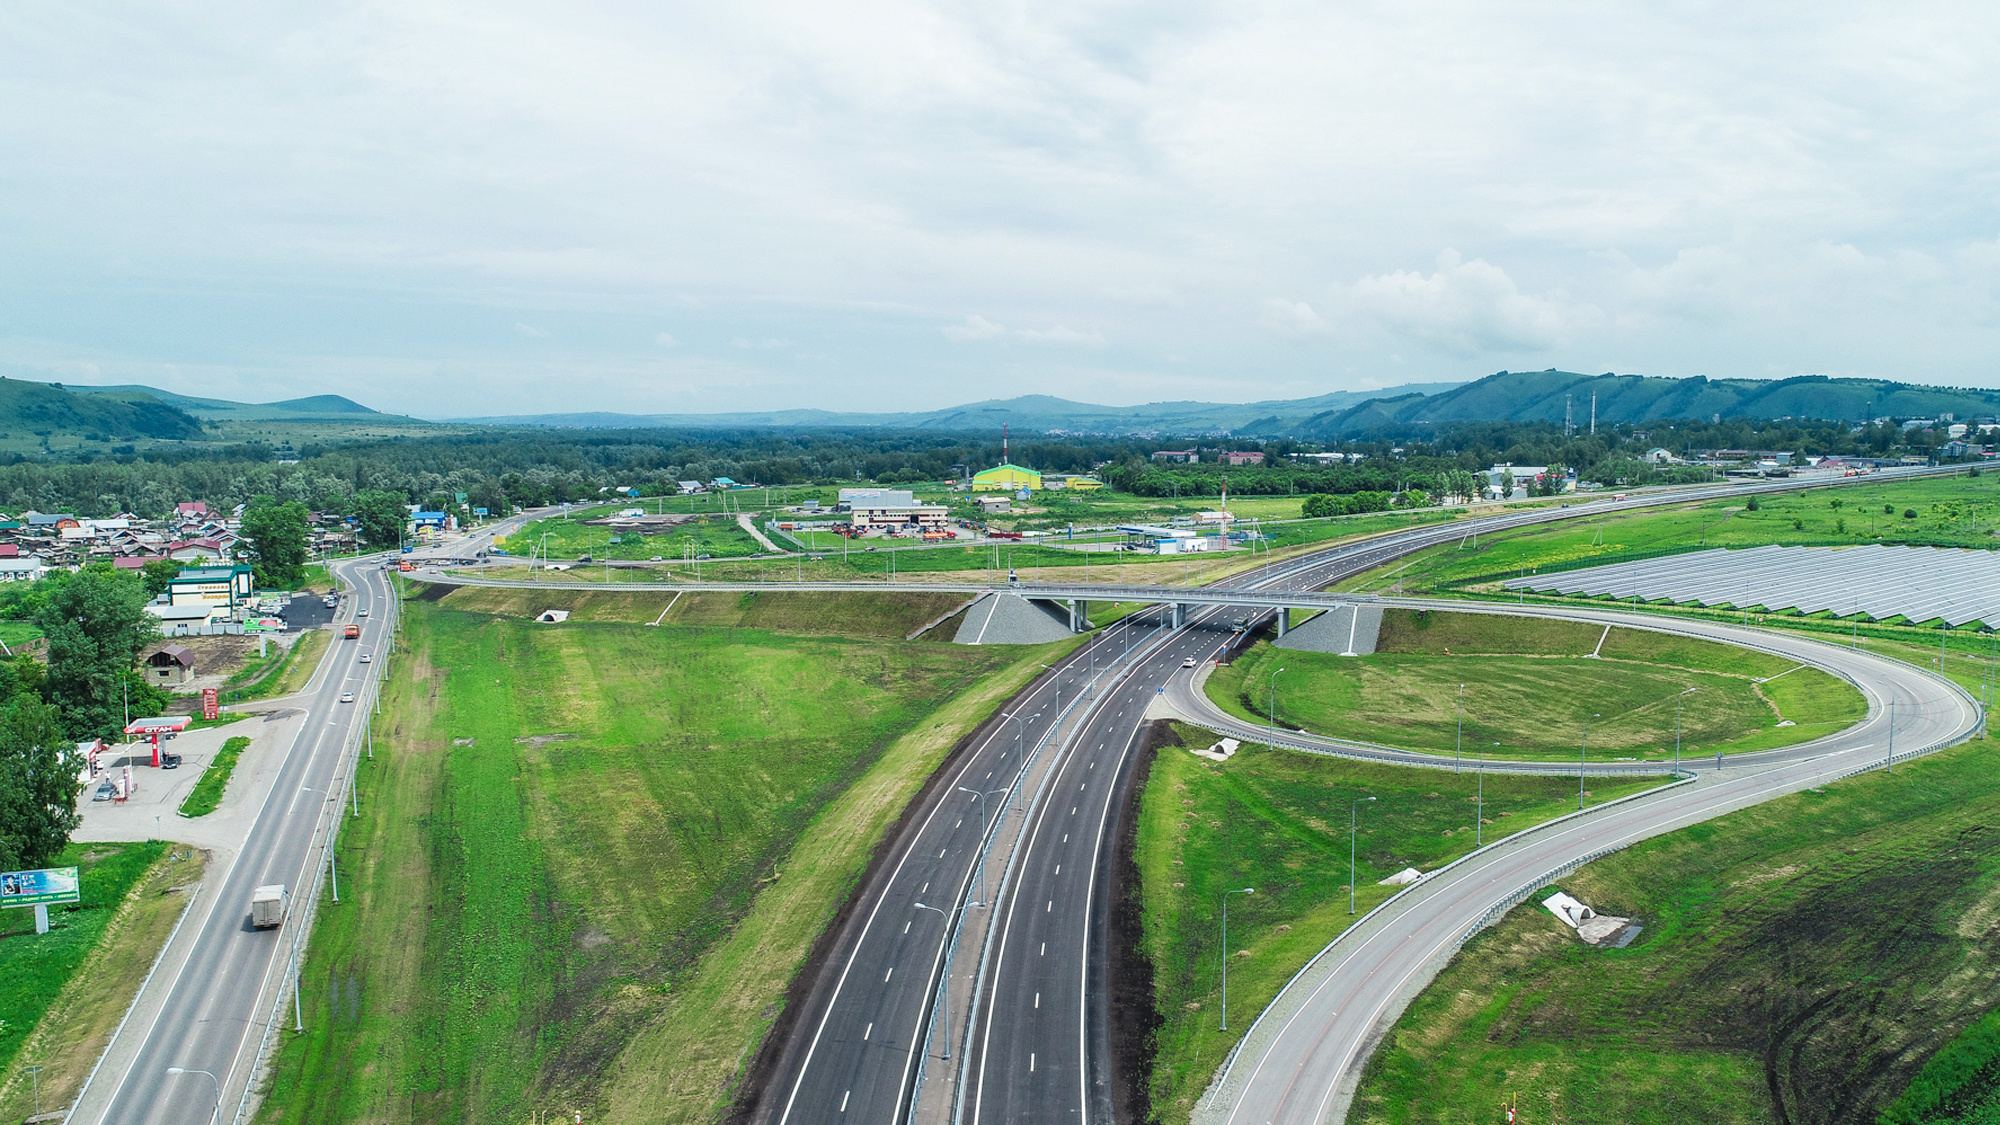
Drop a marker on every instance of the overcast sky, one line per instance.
(504, 207)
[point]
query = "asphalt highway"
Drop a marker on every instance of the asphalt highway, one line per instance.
(217, 1001)
(1038, 1047)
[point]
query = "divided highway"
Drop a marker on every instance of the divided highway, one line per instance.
(1037, 1048)
(211, 998)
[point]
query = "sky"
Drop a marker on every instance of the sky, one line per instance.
(479, 209)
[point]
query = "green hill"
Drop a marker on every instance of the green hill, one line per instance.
(224, 410)
(42, 414)
(1525, 396)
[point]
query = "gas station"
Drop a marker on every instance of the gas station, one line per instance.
(153, 728)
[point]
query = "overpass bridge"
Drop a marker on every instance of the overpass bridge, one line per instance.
(1074, 595)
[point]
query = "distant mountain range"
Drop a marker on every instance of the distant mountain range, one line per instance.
(1028, 414)
(1550, 396)
(1507, 396)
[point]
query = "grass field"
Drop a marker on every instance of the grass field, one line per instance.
(62, 992)
(1271, 820)
(1530, 685)
(570, 537)
(1954, 511)
(592, 856)
(207, 792)
(1817, 949)
(282, 672)
(858, 614)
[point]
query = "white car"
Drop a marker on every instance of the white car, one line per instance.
(366, 657)
(362, 613)
(1188, 663)
(347, 697)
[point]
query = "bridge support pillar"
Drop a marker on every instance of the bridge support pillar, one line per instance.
(1075, 617)
(1284, 622)
(1179, 614)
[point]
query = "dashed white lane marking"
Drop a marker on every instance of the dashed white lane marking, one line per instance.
(843, 1100)
(1051, 909)
(1031, 1062)
(906, 927)
(885, 976)
(1038, 999)
(866, 1032)
(925, 887)
(1045, 949)
(1058, 868)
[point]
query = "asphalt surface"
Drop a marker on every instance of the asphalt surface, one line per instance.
(1300, 1062)
(218, 1000)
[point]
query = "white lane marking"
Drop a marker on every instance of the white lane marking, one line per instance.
(885, 976)
(843, 1100)
(1031, 1062)
(1038, 999)
(941, 852)
(1045, 949)
(1058, 868)
(925, 887)
(1065, 837)
(906, 927)
(961, 820)
(867, 1031)
(1051, 907)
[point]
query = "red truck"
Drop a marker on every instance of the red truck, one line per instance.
(353, 632)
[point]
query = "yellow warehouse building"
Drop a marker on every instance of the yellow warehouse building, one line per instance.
(1006, 478)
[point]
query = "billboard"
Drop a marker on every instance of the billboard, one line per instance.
(33, 888)
(210, 707)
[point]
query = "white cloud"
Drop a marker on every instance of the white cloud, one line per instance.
(1469, 308)
(974, 328)
(979, 328)
(1292, 318)
(531, 331)
(666, 340)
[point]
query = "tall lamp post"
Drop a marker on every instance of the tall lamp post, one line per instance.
(982, 835)
(947, 979)
(1678, 700)
(1351, 821)
(1020, 734)
(1225, 950)
(1582, 754)
(1274, 709)
(1458, 747)
(215, 1115)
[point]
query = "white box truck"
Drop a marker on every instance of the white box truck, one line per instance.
(267, 906)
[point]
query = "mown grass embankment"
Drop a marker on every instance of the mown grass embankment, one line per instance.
(591, 857)
(285, 670)
(1948, 511)
(62, 993)
(1277, 821)
(1530, 686)
(208, 789)
(1801, 960)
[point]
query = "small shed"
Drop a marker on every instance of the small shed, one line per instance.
(173, 664)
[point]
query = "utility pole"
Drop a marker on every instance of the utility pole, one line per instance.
(1274, 706)
(1582, 753)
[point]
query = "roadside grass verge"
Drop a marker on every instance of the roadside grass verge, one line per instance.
(1530, 686)
(1951, 511)
(208, 790)
(283, 672)
(1817, 949)
(712, 533)
(859, 614)
(62, 993)
(591, 858)
(1271, 820)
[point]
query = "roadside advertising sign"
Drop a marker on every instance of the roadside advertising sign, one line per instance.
(211, 705)
(37, 888)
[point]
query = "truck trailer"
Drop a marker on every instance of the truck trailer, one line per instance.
(267, 906)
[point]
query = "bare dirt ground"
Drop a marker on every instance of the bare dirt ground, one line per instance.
(217, 658)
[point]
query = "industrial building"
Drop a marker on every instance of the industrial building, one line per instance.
(1007, 478)
(897, 513)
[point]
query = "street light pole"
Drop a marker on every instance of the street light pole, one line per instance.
(1225, 950)
(1458, 747)
(947, 981)
(1274, 709)
(216, 1114)
(1582, 754)
(1351, 821)
(1678, 700)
